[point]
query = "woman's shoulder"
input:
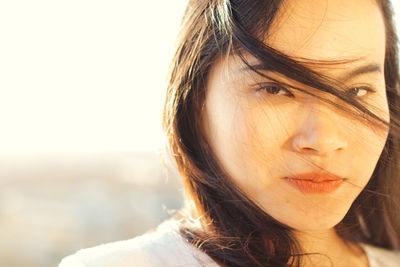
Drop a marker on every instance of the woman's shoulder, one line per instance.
(381, 257)
(161, 247)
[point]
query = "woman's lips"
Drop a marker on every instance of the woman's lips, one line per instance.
(316, 183)
(310, 187)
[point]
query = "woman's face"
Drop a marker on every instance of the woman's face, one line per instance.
(261, 135)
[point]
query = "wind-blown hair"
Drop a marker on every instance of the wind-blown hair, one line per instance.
(235, 230)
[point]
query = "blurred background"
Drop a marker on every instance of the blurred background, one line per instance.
(81, 90)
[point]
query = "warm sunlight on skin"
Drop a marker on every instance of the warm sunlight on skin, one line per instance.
(260, 137)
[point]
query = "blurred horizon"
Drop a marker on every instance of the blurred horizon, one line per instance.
(53, 205)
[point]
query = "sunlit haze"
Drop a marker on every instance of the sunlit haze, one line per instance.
(85, 76)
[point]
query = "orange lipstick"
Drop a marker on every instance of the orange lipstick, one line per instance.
(315, 182)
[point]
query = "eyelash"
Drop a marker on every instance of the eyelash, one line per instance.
(267, 86)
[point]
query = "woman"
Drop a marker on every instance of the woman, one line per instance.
(282, 117)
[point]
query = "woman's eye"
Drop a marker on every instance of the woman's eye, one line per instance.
(277, 89)
(360, 91)
(274, 89)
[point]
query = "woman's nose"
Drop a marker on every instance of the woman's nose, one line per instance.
(319, 134)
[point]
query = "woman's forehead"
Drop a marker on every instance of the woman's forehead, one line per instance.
(329, 30)
(233, 68)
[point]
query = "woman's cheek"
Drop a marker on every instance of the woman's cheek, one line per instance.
(251, 151)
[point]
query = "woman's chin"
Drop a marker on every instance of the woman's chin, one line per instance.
(315, 224)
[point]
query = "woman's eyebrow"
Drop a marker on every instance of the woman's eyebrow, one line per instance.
(357, 71)
(361, 70)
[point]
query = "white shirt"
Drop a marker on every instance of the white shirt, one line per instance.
(165, 247)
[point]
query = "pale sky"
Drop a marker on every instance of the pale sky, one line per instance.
(85, 75)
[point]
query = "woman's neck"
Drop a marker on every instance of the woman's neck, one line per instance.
(326, 248)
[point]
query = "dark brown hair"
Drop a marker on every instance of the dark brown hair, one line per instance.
(233, 227)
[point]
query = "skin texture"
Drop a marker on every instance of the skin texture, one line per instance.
(261, 137)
